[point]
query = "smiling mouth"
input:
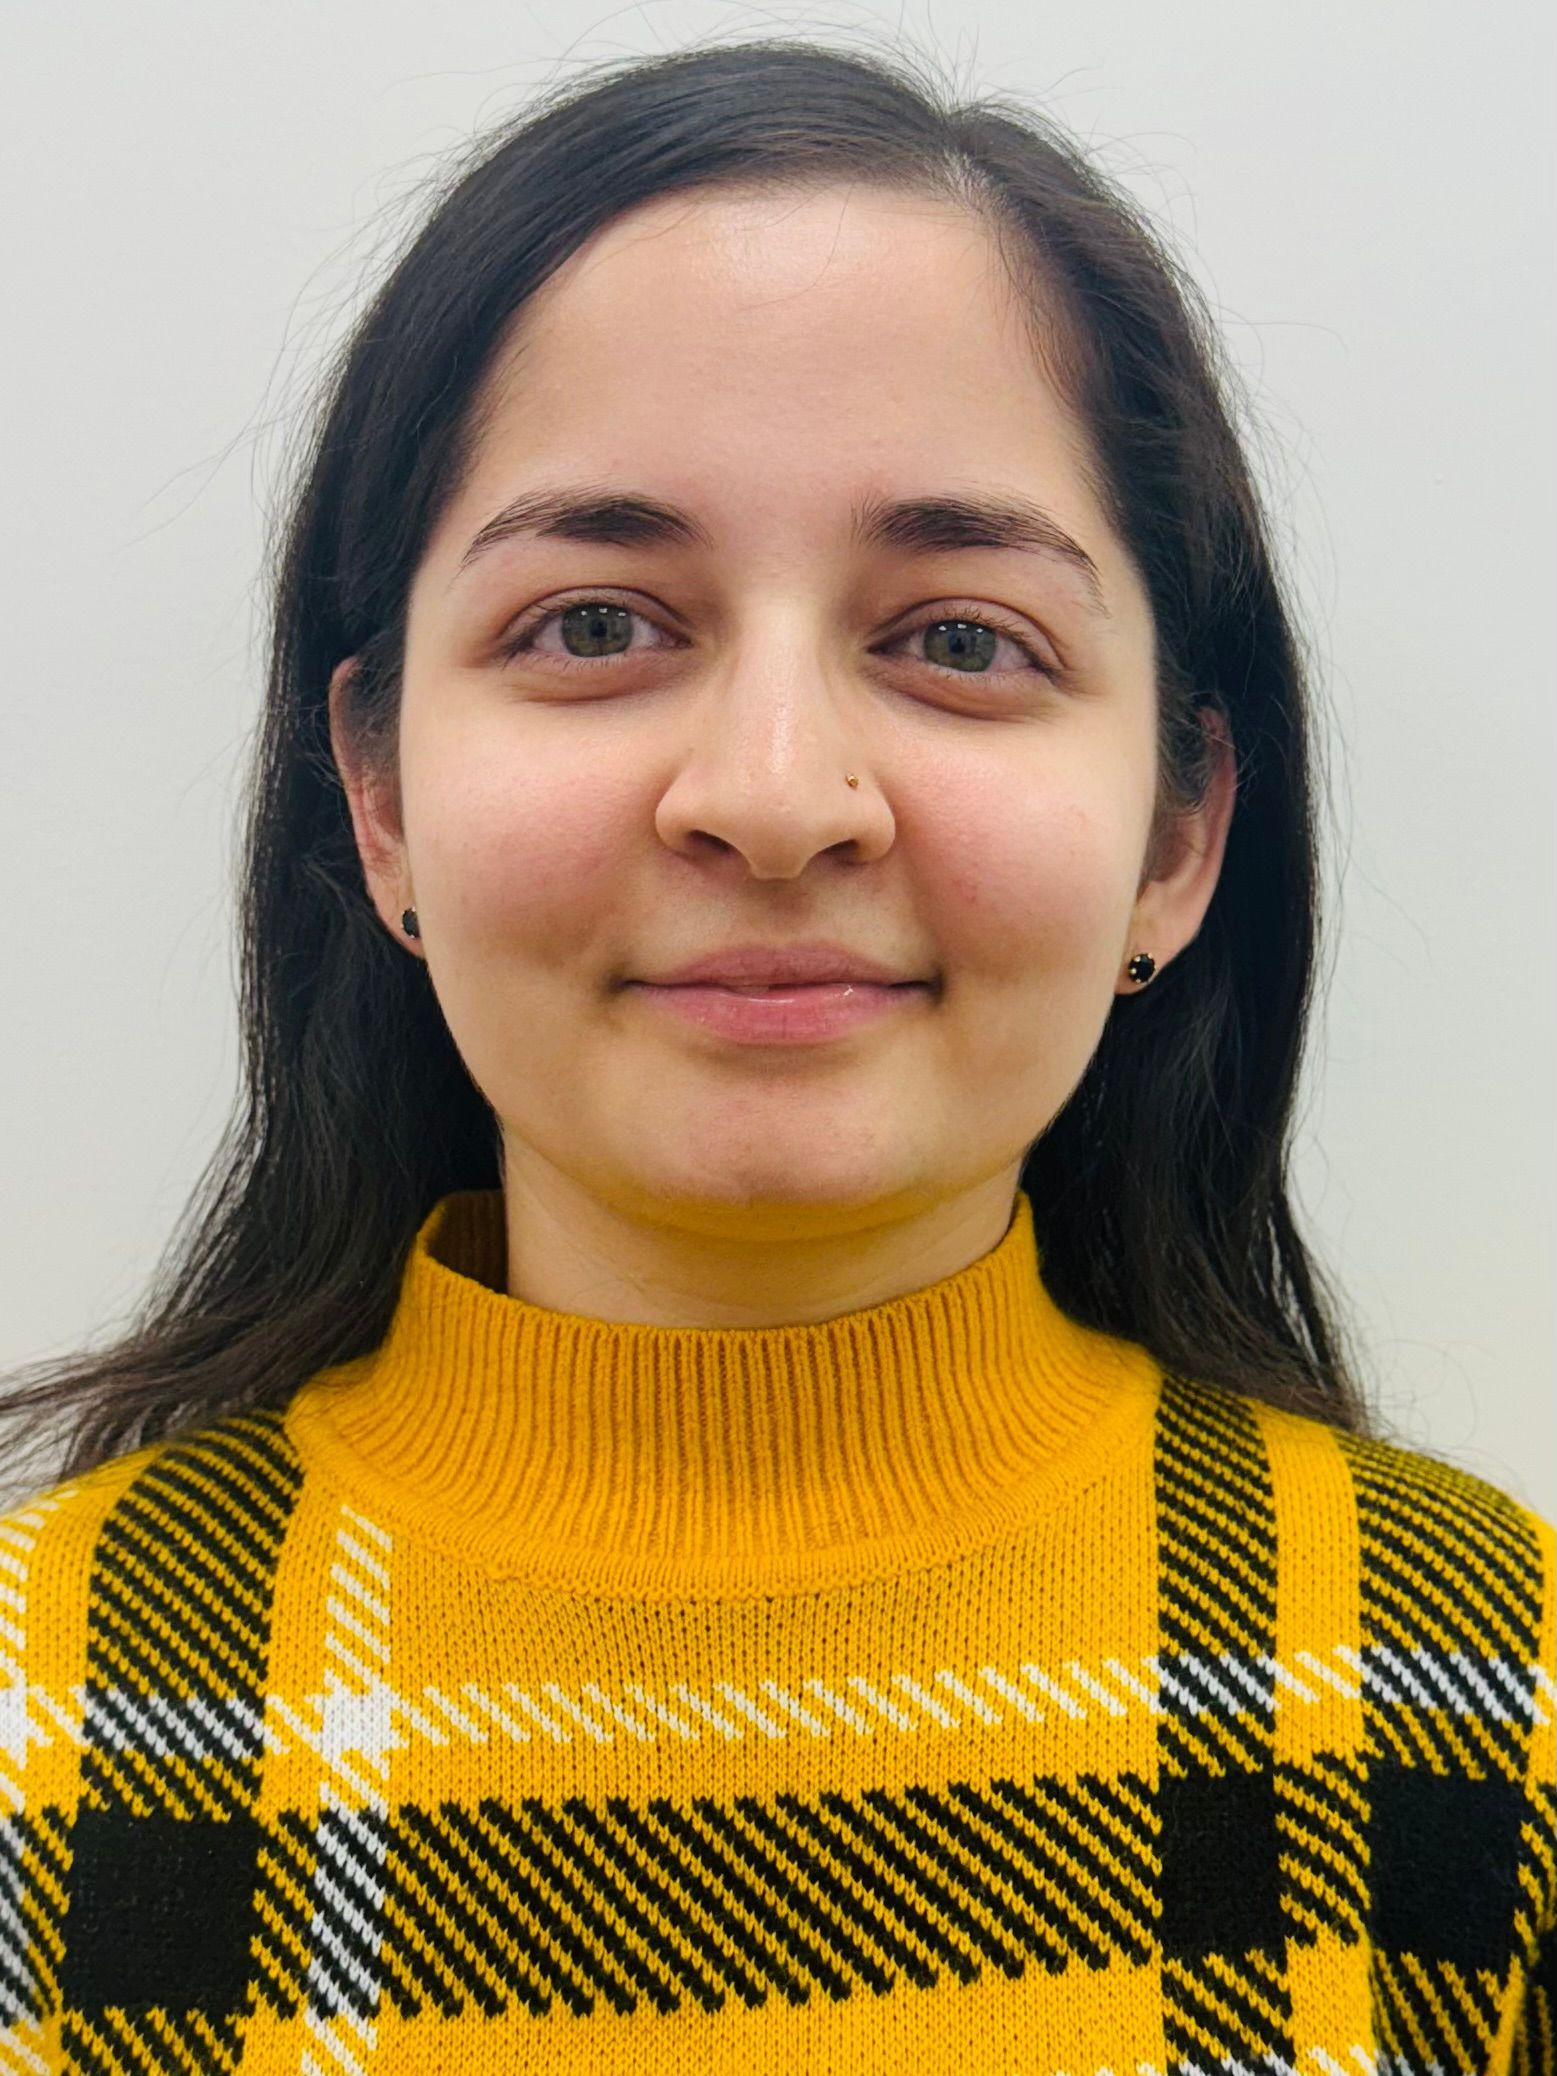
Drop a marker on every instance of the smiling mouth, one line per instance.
(784, 1013)
(784, 987)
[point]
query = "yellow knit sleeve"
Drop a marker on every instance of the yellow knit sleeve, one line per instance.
(1534, 2037)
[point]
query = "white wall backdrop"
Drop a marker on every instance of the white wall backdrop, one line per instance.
(194, 197)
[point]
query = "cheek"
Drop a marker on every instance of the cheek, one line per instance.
(1028, 882)
(1014, 879)
(523, 859)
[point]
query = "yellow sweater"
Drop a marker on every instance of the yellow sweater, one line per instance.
(938, 1688)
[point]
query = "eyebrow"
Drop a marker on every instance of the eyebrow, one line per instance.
(912, 525)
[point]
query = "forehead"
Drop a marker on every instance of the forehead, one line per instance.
(821, 330)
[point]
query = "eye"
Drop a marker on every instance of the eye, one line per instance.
(962, 642)
(602, 627)
(965, 642)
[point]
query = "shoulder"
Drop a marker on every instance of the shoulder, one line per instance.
(1458, 1576)
(1442, 1555)
(1419, 1486)
(1424, 1520)
(239, 1451)
(213, 1497)
(50, 1536)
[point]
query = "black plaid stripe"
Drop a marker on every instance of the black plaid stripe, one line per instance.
(158, 2043)
(1436, 1837)
(1323, 1826)
(18, 1977)
(1451, 1594)
(34, 1872)
(178, 1623)
(610, 1907)
(1431, 2014)
(1216, 1554)
(1535, 1921)
(1223, 1932)
(284, 1913)
(1223, 1811)
(1450, 1608)
(346, 1925)
(1090, 1856)
(1535, 2048)
(1222, 2015)
(163, 1846)
(1445, 1852)
(160, 1909)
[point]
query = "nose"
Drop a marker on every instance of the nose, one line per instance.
(768, 776)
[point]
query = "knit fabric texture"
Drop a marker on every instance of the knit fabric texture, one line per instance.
(942, 1686)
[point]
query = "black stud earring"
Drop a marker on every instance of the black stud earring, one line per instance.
(408, 923)
(1141, 968)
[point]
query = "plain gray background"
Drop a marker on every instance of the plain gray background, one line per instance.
(194, 200)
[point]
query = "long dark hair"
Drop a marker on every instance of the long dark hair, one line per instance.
(1160, 1192)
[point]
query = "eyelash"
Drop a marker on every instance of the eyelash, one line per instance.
(518, 643)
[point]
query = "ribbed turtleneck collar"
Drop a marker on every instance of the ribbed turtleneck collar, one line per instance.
(649, 1459)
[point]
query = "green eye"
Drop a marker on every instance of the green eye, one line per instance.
(597, 627)
(967, 645)
(594, 630)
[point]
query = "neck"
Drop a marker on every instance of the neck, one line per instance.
(642, 1458)
(735, 1266)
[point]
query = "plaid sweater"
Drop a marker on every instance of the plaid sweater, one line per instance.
(939, 1687)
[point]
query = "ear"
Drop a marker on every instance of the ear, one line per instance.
(373, 798)
(1170, 909)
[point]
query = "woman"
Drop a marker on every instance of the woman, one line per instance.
(744, 1465)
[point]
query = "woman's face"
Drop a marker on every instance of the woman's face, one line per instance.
(634, 787)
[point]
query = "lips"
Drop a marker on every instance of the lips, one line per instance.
(794, 965)
(783, 987)
(783, 1015)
